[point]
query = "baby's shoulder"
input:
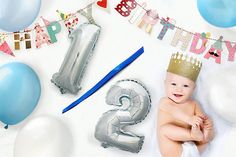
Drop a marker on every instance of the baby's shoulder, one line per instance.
(193, 102)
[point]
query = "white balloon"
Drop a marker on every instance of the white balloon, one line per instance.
(221, 89)
(43, 137)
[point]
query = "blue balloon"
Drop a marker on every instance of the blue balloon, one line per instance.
(17, 15)
(19, 92)
(220, 13)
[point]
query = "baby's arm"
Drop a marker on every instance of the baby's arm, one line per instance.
(198, 111)
(178, 113)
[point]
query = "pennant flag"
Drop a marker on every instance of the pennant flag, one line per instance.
(183, 37)
(150, 18)
(53, 28)
(22, 37)
(167, 24)
(6, 49)
(103, 5)
(70, 20)
(41, 36)
(4, 46)
(125, 7)
(87, 12)
(215, 50)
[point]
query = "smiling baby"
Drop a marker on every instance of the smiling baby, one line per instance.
(183, 128)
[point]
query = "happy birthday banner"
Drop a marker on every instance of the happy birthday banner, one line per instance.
(200, 43)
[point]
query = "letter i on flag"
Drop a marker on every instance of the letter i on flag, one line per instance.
(70, 20)
(103, 4)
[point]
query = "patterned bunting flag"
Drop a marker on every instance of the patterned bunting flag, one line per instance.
(103, 5)
(70, 20)
(41, 36)
(22, 37)
(4, 46)
(53, 28)
(167, 24)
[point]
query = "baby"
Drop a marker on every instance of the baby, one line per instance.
(183, 129)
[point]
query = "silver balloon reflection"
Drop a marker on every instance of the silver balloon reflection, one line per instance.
(135, 102)
(83, 41)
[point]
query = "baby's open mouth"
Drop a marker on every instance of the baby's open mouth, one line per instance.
(178, 95)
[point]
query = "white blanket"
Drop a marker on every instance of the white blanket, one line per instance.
(190, 150)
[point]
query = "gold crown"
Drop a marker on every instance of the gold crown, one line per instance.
(185, 66)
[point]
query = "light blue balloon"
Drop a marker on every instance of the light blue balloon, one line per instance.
(220, 13)
(17, 15)
(19, 92)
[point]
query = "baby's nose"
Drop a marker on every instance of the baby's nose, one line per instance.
(179, 89)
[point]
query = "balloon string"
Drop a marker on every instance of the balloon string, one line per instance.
(105, 79)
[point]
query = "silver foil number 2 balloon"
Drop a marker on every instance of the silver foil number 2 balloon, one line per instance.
(84, 39)
(134, 101)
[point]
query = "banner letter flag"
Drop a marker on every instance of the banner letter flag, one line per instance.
(138, 13)
(150, 19)
(53, 28)
(88, 14)
(217, 58)
(18, 39)
(166, 25)
(179, 36)
(215, 50)
(70, 20)
(41, 36)
(124, 8)
(103, 4)
(196, 38)
(231, 49)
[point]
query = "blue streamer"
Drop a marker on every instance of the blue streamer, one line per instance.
(105, 79)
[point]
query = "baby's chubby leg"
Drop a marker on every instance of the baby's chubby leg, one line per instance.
(180, 134)
(166, 144)
(171, 138)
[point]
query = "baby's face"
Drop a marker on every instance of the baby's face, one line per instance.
(178, 88)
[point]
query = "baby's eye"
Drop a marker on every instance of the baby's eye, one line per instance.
(186, 85)
(174, 84)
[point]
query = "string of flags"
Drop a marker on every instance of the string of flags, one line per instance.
(137, 14)
(199, 43)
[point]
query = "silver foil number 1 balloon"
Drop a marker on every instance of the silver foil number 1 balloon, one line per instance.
(135, 102)
(83, 39)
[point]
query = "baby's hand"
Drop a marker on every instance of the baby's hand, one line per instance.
(195, 121)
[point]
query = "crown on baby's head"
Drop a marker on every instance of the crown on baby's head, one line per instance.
(185, 66)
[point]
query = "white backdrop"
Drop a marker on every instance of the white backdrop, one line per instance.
(117, 41)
